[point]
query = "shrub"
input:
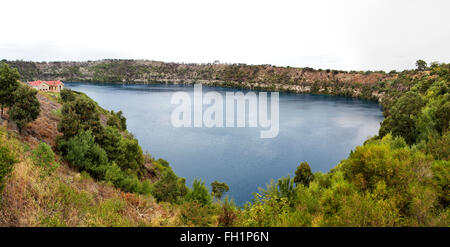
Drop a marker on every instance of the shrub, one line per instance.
(228, 215)
(163, 162)
(194, 214)
(7, 161)
(441, 176)
(218, 189)
(44, 157)
(80, 114)
(169, 188)
(84, 153)
(421, 65)
(117, 120)
(199, 193)
(26, 107)
(67, 95)
(8, 84)
(286, 188)
(303, 174)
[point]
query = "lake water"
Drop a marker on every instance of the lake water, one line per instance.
(319, 129)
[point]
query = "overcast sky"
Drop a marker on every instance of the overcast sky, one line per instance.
(350, 35)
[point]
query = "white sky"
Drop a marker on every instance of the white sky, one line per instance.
(344, 34)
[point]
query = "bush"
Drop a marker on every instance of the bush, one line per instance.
(169, 188)
(194, 214)
(84, 153)
(441, 176)
(8, 84)
(125, 181)
(26, 107)
(218, 189)
(228, 215)
(80, 114)
(303, 174)
(199, 193)
(117, 120)
(67, 95)
(7, 161)
(44, 157)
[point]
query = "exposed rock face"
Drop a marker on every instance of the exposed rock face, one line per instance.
(259, 77)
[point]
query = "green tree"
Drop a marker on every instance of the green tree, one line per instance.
(285, 188)
(117, 120)
(199, 193)
(112, 143)
(80, 114)
(26, 107)
(421, 65)
(441, 176)
(8, 84)
(67, 95)
(84, 153)
(303, 174)
(401, 122)
(218, 189)
(169, 188)
(442, 116)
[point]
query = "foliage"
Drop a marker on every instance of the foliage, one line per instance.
(403, 112)
(88, 156)
(441, 177)
(228, 215)
(421, 65)
(26, 107)
(67, 95)
(218, 189)
(195, 214)
(170, 188)
(400, 178)
(286, 188)
(7, 161)
(84, 153)
(44, 157)
(8, 84)
(199, 193)
(80, 114)
(117, 120)
(303, 174)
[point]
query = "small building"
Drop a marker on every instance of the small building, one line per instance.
(47, 86)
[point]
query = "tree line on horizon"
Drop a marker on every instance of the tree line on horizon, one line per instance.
(401, 177)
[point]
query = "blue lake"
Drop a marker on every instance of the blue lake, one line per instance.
(319, 129)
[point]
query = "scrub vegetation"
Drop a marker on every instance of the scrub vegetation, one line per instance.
(96, 174)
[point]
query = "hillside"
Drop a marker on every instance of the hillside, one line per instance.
(300, 80)
(66, 197)
(77, 165)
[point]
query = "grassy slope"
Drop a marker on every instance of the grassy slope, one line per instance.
(67, 198)
(32, 198)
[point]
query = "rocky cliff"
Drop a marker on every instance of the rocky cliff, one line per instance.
(264, 77)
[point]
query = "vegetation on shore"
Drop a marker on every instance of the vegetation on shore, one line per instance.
(362, 84)
(99, 175)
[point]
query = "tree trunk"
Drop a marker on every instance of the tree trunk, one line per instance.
(1, 114)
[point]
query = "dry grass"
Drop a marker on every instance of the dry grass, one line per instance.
(67, 198)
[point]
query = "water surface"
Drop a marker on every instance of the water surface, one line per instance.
(319, 129)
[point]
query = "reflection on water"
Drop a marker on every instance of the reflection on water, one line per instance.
(318, 129)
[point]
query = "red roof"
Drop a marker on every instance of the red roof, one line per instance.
(34, 83)
(53, 83)
(50, 83)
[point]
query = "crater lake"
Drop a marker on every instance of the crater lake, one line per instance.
(319, 129)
